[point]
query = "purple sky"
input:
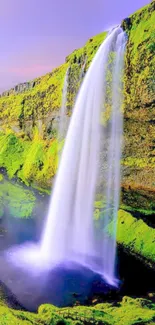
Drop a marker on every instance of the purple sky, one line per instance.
(36, 35)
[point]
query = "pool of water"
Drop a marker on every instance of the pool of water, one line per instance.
(65, 285)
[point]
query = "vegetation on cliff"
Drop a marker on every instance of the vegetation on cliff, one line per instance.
(29, 160)
(46, 93)
(29, 150)
(28, 120)
(139, 100)
(35, 109)
(18, 201)
(136, 236)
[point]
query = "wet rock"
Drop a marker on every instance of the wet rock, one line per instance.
(126, 24)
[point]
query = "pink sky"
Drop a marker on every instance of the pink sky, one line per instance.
(37, 35)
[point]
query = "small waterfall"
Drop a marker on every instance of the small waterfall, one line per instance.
(62, 128)
(83, 69)
(69, 232)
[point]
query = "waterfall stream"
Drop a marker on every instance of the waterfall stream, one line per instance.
(96, 125)
(62, 128)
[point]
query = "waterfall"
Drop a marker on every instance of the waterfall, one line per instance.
(96, 125)
(111, 173)
(83, 68)
(62, 128)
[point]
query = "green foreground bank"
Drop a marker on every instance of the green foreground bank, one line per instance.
(127, 312)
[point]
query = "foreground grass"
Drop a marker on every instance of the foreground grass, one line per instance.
(128, 312)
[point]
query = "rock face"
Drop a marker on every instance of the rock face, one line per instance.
(139, 109)
(29, 115)
(19, 88)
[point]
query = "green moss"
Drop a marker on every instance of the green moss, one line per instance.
(140, 60)
(139, 162)
(139, 128)
(1, 177)
(128, 312)
(141, 211)
(19, 201)
(135, 235)
(11, 153)
(35, 161)
(32, 161)
(46, 93)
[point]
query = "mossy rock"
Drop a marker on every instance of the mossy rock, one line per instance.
(18, 201)
(136, 236)
(1, 177)
(128, 312)
(32, 161)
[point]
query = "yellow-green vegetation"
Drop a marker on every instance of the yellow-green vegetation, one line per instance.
(34, 160)
(78, 60)
(136, 236)
(35, 109)
(140, 60)
(139, 103)
(141, 211)
(128, 312)
(28, 145)
(1, 177)
(45, 95)
(20, 202)
(139, 162)
(132, 233)
(46, 92)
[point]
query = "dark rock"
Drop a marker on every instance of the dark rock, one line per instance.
(126, 24)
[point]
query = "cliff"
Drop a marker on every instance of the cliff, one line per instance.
(139, 110)
(29, 115)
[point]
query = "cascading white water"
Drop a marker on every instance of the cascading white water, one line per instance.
(62, 127)
(69, 229)
(82, 73)
(112, 146)
(69, 232)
